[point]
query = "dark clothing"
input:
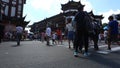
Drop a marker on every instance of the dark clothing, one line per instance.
(113, 25)
(48, 40)
(113, 38)
(95, 39)
(81, 34)
(81, 38)
(112, 32)
(79, 18)
(95, 35)
(19, 37)
(1, 32)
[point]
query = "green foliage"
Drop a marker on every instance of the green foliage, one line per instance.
(104, 24)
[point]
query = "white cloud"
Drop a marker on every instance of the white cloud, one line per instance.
(108, 13)
(53, 7)
(88, 5)
(42, 4)
(49, 4)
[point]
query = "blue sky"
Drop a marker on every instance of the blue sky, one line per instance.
(37, 10)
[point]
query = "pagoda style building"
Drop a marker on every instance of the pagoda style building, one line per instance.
(70, 9)
(12, 14)
(97, 18)
(59, 21)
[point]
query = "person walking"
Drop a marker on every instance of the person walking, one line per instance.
(19, 31)
(112, 32)
(1, 32)
(48, 35)
(105, 35)
(70, 31)
(81, 33)
(59, 35)
(42, 36)
(96, 36)
(54, 37)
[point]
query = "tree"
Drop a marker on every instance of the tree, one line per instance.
(104, 24)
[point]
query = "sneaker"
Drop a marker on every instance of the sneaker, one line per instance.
(109, 48)
(75, 54)
(69, 47)
(80, 51)
(86, 54)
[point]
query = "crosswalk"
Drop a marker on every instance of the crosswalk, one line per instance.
(102, 48)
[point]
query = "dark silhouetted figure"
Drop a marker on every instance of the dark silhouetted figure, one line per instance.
(1, 32)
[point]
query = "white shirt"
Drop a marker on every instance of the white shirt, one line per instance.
(69, 27)
(48, 31)
(53, 36)
(19, 29)
(105, 33)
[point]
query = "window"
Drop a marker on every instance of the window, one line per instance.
(20, 1)
(6, 10)
(13, 11)
(19, 8)
(5, 1)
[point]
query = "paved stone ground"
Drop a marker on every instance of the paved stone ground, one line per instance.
(35, 54)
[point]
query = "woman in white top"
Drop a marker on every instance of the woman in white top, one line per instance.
(48, 35)
(70, 30)
(54, 36)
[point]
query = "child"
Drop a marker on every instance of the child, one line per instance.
(54, 36)
(105, 35)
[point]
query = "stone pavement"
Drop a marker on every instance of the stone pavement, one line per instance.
(35, 54)
(102, 47)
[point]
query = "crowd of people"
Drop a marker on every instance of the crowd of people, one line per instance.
(82, 35)
(78, 31)
(79, 36)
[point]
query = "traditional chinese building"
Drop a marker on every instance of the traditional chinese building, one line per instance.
(59, 21)
(12, 14)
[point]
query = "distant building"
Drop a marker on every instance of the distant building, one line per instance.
(116, 17)
(59, 21)
(11, 14)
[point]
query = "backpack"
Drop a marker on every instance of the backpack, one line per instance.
(96, 25)
(88, 23)
(83, 22)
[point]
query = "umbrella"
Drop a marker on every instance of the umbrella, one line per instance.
(105, 28)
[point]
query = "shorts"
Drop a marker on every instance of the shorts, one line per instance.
(113, 38)
(70, 35)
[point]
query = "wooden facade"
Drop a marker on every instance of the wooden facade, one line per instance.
(12, 14)
(59, 21)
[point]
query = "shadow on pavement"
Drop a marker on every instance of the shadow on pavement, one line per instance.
(15, 45)
(104, 61)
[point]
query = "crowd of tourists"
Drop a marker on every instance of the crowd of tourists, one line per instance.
(78, 31)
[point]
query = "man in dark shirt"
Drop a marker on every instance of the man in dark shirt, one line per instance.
(81, 35)
(112, 32)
